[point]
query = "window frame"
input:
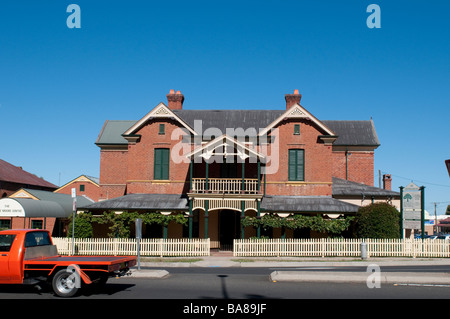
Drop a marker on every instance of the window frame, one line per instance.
(294, 163)
(161, 164)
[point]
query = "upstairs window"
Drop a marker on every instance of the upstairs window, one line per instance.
(161, 169)
(162, 129)
(296, 129)
(296, 165)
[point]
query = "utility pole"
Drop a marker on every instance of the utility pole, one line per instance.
(435, 218)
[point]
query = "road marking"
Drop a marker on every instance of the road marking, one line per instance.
(422, 285)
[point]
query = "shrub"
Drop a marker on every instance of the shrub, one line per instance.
(379, 220)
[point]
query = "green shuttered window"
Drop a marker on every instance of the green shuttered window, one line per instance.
(296, 165)
(161, 163)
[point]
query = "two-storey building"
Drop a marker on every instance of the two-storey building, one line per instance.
(217, 166)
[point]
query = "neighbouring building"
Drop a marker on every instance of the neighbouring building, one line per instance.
(84, 185)
(38, 209)
(13, 178)
(218, 166)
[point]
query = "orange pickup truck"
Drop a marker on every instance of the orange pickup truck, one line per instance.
(28, 256)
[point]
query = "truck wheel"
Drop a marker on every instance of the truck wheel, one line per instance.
(65, 283)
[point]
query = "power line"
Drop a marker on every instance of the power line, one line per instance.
(418, 181)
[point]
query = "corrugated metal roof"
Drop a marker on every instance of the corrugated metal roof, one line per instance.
(342, 187)
(112, 131)
(161, 202)
(230, 119)
(14, 174)
(307, 204)
(354, 132)
(349, 132)
(142, 202)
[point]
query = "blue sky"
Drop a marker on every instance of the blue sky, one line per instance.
(59, 85)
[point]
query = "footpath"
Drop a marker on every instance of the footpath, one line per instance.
(318, 268)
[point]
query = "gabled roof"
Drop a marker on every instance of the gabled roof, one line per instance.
(223, 142)
(160, 111)
(14, 174)
(82, 178)
(298, 112)
(352, 133)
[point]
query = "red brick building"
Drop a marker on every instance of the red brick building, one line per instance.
(84, 185)
(217, 166)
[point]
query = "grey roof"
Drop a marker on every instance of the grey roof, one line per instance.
(142, 202)
(49, 204)
(64, 200)
(112, 131)
(234, 119)
(360, 133)
(161, 202)
(42, 208)
(312, 204)
(342, 187)
(354, 132)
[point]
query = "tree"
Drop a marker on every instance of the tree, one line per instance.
(83, 226)
(379, 220)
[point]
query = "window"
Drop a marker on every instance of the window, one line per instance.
(5, 224)
(81, 188)
(36, 224)
(296, 129)
(161, 166)
(6, 242)
(37, 238)
(162, 129)
(296, 165)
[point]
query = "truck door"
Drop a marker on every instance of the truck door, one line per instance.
(5, 247)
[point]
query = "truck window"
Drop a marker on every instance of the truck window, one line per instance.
(37, 239)
(6, 242)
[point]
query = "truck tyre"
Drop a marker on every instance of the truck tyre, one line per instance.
(65, 283)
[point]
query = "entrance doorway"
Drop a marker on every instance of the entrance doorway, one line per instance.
(229, 228)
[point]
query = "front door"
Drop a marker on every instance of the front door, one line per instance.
(229, 228)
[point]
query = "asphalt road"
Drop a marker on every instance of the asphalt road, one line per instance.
(216, 283)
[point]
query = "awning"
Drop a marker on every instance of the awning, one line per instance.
(15, 207)
(306, 204)
(139, 202)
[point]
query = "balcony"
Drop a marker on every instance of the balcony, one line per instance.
(225, 186)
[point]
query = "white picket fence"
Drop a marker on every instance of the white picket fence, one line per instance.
(329, 247)
(128, 246)
(321, 247)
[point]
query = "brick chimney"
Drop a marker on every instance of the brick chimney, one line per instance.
(175, 100)
(292, 99)
(387, 180)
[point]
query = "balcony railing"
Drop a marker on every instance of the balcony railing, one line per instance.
(225, 185)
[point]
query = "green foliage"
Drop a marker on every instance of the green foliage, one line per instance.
(447, 212)
(315, 223)
(379, 220)
(83, 226)
(120, 223)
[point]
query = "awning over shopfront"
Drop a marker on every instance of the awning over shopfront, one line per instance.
(11, 207)
(38, 203)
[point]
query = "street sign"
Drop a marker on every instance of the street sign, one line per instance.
(138, 240)
(412, 209)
